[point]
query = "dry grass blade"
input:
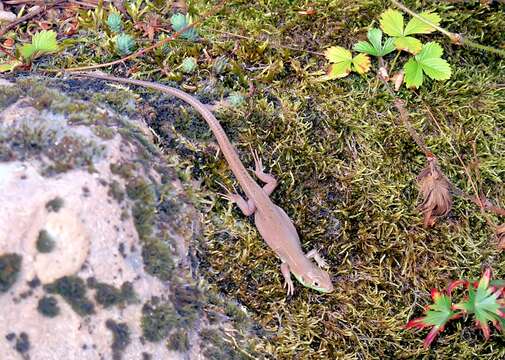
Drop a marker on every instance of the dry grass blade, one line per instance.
(436, 191)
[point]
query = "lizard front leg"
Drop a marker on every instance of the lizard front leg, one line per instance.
(313, 254)
(246, 206)
(287, 278)
(271, 182)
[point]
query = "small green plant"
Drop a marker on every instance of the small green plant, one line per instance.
(179, 22)
(485, 300)
(43, 43)
(114, 22)
(426, 61)
(188, 65)
(343, 62)
(236, 99)
(392, 24)
(125, 44)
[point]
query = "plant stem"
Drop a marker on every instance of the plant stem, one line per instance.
(454, 37)
(394, 62)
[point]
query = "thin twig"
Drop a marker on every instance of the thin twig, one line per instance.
(28, 16)
(454, 37)
(141, 52)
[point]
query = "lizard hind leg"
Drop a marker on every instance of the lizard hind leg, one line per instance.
(313, 254)
(246, 206)
(271, 182)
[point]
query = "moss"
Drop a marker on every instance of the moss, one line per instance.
(107, 295)
(116, 191)
(158, 259)
(121, 337)
(158, 319)
(73, 290)
(103, 132)
(178, 341)
(187, 301)
(45, 242)
(124, 170)
(48, 306)
(55, 204)
(10, 265)
(22, 343)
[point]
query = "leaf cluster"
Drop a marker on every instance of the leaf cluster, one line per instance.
(484, 300)
(43, 43)
(426, 59)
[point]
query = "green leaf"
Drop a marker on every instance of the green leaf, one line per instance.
(417, 26)
(484, 304)
(413, 73)
(392, 22)
(365, 47)
(43, 42)
(375, 47)
(429, 62)
(436, 316)
(339, 70)
(337, 54)
(343, 62)
(10, 65)
(408, 43)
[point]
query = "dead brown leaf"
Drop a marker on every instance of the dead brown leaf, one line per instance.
(436, 192)
(500, 236)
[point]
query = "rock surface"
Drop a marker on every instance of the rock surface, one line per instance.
(96, 227)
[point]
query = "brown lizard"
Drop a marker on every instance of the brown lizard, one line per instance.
(272, 222)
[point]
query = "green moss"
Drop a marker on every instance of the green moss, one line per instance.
(107, 295)
(187, 301)
(158, 259)
(116, 191)
(48, 306)
(124, 170)
(157, 320)
(121, 338)
(178, 341)
(55, 204)
(45, 242)
(73, 290)
(103, 132)
(10, 265)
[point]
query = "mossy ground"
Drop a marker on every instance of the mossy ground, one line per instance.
(346, 170)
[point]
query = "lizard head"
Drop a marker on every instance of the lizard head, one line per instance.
(316, 279)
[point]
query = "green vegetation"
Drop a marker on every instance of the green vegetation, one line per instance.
(55, 204)
(73, 290)
(10, 265)
(48, 306)
(45, 242)
(121, 337)
(345, 164)
(107, 295)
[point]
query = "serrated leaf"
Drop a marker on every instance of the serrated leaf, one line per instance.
(361, 63)
(339, 70)
(43, 42)
(484, 304)
(389, 46)
(413, 73)
(375, 37)
(417, 26)
(430, 50)
(408, 43)
(336, 54)
(365, 47)
(375, 47)
(436, 316)
(391, 22)
(10, 65)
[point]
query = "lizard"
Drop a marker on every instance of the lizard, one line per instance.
(273, 224)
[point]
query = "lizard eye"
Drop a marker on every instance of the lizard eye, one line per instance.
(316, 284)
